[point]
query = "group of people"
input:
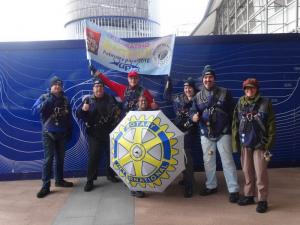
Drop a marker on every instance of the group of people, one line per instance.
(209, 113)
(100, 113)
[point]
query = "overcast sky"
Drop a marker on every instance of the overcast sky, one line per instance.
(29, 20)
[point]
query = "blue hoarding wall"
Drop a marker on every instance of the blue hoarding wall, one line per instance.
(26, 67)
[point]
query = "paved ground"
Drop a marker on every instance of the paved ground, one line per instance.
(107, 204)
(111, 204)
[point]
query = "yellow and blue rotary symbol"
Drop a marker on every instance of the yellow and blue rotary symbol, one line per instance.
(143, 151)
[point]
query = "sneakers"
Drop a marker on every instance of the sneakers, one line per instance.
(262, 207)
(43, 192)
(246, 200)
(234, 197)
(188, 191)
(63, 183)
(113, 179)
(88, 186)
(208, 191)
(138, 194)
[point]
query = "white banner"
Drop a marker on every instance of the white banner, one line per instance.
(152, 57)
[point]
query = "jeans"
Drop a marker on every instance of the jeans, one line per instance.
(53, 149)
(209, 148)
(97, 149)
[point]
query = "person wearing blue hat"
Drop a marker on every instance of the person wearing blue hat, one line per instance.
(55, 113)
(100, 114)
(213, 109)
(182, 104)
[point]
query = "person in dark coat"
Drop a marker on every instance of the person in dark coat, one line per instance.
(100, 113)
(182, 105)
(213, 109)
(55, 113)
(253, 134)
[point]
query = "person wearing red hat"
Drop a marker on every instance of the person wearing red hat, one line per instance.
(253, 133)
(128, 94)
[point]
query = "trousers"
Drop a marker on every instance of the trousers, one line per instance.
(209, 148)
(98, 149)
(53, 149)
(254, 167)
(188, 173)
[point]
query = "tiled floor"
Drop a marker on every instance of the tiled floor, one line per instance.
(19, 205)
(111, 204)
(172, 209)
(107, 204)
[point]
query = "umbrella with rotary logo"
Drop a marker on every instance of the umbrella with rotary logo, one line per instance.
(146, 151)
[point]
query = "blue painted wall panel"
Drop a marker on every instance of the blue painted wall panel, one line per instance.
(25, 69)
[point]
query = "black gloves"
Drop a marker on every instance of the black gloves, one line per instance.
(92, 69)
(86, 100)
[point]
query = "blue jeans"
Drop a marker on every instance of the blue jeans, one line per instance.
(209, 148)
(53, 148)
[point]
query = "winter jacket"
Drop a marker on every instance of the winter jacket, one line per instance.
(253, 124)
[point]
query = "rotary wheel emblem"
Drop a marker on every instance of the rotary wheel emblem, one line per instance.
(143, 151)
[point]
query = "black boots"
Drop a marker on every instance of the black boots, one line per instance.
(63, 183)
(234, 197)
(181, 182)
(246, 200)
(43, 192)
(188, 191)
(207, 191)
(262, 207)
(88, 186)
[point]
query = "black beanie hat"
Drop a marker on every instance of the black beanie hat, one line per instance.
(56, 80)
(98, 81)
(208, 70)
(189, 82)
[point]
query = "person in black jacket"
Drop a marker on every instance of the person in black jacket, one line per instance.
(182, 104)
(99, 112)
(55, 113)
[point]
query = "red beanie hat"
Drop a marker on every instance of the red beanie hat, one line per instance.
(251, 82)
